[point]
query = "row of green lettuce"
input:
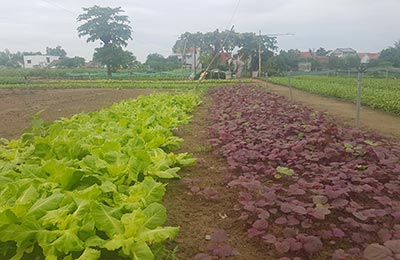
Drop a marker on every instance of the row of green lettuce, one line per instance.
(167, 84)
(88, 187)
(13, 75)
(377, 93)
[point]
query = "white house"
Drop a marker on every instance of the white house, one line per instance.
(344, 52)
(32, 61)
(367, 57)
(191, 57)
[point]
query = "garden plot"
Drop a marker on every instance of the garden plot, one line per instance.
(307, 187)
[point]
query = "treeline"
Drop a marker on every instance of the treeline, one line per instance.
(16, 60)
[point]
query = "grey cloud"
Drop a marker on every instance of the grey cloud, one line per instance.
(366, 25)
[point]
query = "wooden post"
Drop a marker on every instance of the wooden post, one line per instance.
(290, 85)
(259, 56)
(358, 101)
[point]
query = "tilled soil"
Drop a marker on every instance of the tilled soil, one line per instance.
(196, 214)
(199, 215)
(17, 106)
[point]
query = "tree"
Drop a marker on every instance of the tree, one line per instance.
(113, 30)
(391, 55)
(348, 62)
(57, 51)
(11, 60)
(114, 57)
(157, 62)
(321, 52)
(75, 62)
(212, 43)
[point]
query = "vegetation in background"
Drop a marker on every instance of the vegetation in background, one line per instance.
(211, 43)
(157, 62)
(383, 94)
(392, 55)
(57, 51)
(113, 30)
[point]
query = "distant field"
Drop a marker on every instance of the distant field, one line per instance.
(162, 84)
(382, 94)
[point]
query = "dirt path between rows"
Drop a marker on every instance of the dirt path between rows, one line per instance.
(343, 112)
(17, 106)
(192, 206)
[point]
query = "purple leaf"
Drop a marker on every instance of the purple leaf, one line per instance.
(260, 224)
(377, 252)
(269, 238)
(299, 210)
(360, 215)
(282, 247)
(219, 236)
(319, 213)
(339, 254)
(286, 207)
(312, 244)
(357, 237)
(384, 234)
(354, 251)
(263, 214)
(292, 221)
(393, 245)
(281, 220)
(326, 234)
(337, 232)
(224, 251)
(253, 232)
(195, 189)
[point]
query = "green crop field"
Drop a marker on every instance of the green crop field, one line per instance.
(377, 93)
(89, 185)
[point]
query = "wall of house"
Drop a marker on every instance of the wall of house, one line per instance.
(38, 61)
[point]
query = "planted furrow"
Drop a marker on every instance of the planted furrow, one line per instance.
(87, 187)
(307, 187)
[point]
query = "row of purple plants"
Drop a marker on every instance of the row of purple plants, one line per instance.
(308, 188)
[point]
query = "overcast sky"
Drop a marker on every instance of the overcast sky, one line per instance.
(365, 25)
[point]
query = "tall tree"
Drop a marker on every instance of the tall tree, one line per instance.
(157, 62)
(11, 60)
(391, 55)
(57, 51)
(113, 30)
(217, 41)
(75, 62)
(321, 52)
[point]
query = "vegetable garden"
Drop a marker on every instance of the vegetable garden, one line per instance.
(298, 185)
(377, 93)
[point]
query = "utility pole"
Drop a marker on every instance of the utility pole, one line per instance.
(259, 56)
(259, 47)
(194, 59)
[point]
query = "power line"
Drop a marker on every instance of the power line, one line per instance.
(233, 14)
(59, 7)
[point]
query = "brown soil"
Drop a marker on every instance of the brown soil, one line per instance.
(344, 112)
(197, 215)
(17, 106)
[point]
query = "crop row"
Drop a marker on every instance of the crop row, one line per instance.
(87, 187)
(121, 84)
(382, 94)
(307, 188)
(43, 81)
